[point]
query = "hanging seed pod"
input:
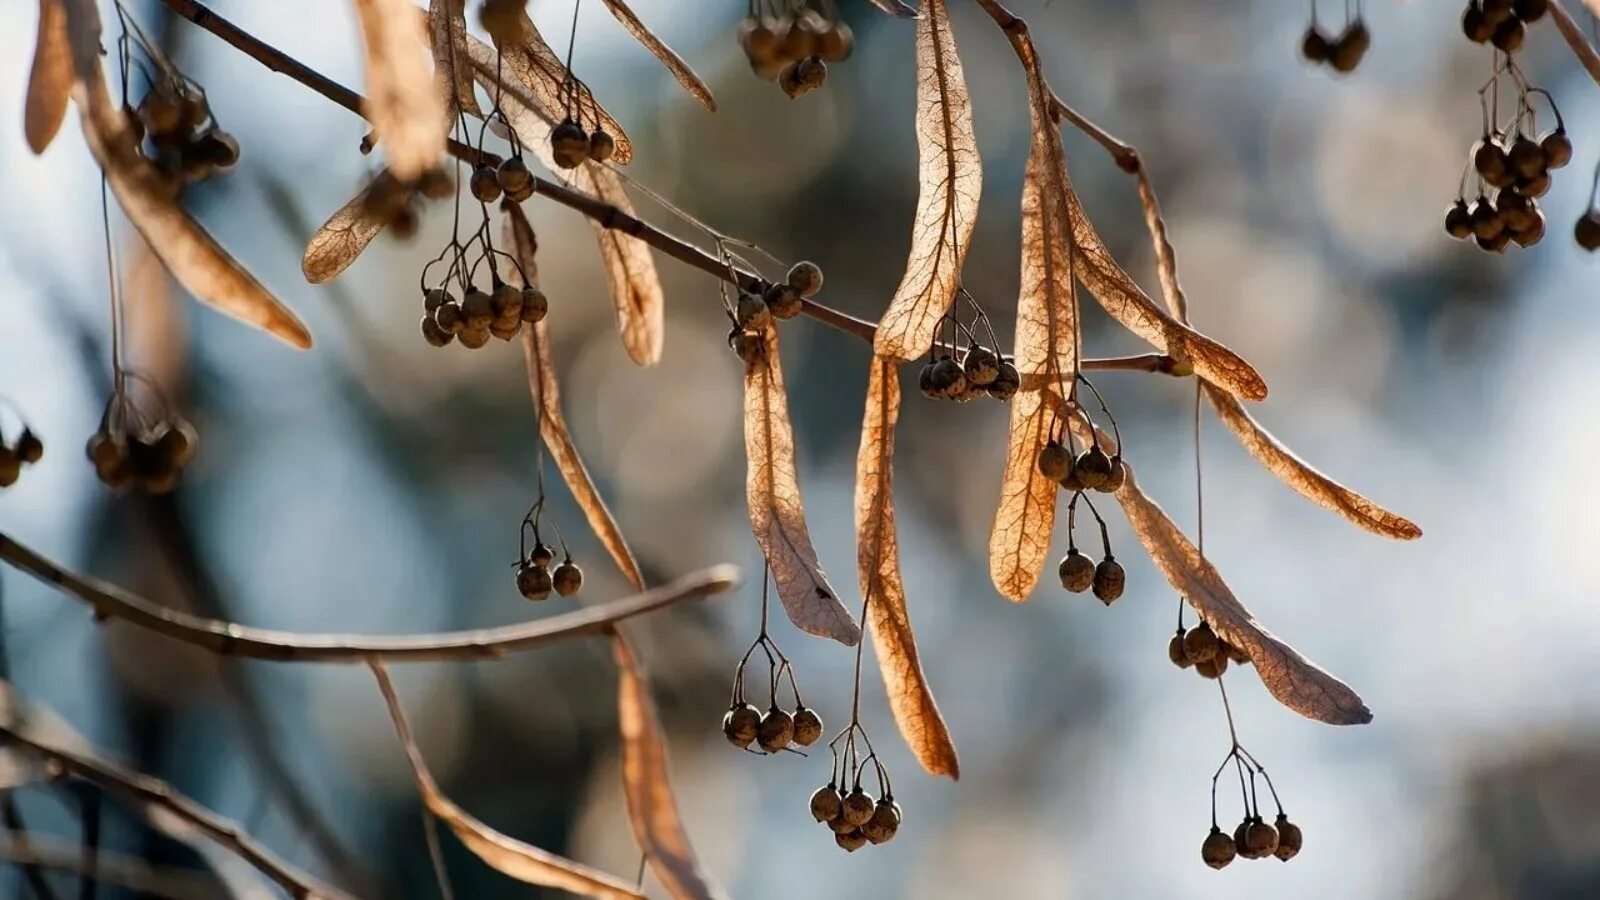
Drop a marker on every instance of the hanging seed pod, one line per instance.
(925, 380)
(1235, 654)
(1289, 838)
(1532, 234)
(485, 184)
(758, 39)
(751, 312)
(1006, 383)
(1261, 839)
(1587, 230)
(1239, 838)
(1534, 187)
(826, 804)
(1491, 162)
(1475, 25)
(1314, 45)
(1077, 571)
(504, 330)
(851, 840)
(218, 148)
(535, 305)
(980, 365)
(102, 450)
(836, 42)
(1526, 156)
(567, 578)
(1072, 483)
(805, 277)
(478, 309)
(947, 378)
(1113, 482)
(1200, 643)
(796, 36)
(542, 554)
(513, 175)
(506, 302)
(740, 724)
(807, 726)
(1496, 244)
(522, 192)
(1458, 220)
(1218, 849)
(503, 20)
(1508, 37)
(1093, 467)
(435, 184)
(858, 807)
(533, 581)
(1213, 667)
(433, 334)
(1054, 461)
(747, 346)
(450, 317)
(10, 466)
(1351, 47)
(433, 298)
(1557, 148)
(838, 825)
(789, 80)
(783, 301)
(569, 144)
(811, 73)
(1486, 221)
(1498, 11)
(602, 146)
(776, 730)
(162, 110)
(1176, 653)
(885, 822)
(1516, 211)
(769, 69)
(29, 448)
(1109, 580)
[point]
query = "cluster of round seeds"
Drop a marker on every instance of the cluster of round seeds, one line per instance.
(773, 731)
(1517, 168)
(752, 313)
(536, 579)
(1080, 573)
(855, 818)
(178, 132)
(25, 452)
(794, 46)
(977, 372)
(148, 456)
(1341, 53)
(1503, 23)
(1203, 649)
(479, 314)
(571, 145)
(1253, 839)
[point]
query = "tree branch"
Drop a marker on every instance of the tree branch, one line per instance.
(229, 639)
(117, 869)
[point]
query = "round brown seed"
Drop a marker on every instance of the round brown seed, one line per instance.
(1076, 571)
(776, 731)
(740, 724)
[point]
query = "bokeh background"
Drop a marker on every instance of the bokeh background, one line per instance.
(376, 483)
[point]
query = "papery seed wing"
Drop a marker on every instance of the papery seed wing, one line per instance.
(669, 58)
(541, 71)
(50, 79)
(447, 31)
(1019, 541)
(402, 101)
(344, 236)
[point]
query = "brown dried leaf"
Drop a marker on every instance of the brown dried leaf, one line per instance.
(1297, 682)
(186, 249)
(878, 569)
(545, 76)
(447, 27)
(506, 854)
(1300, 475)
(50, 80)
(343, 237)
(647, 782)
(777, 516)
(1573, 34)
(669, 58)
(950, 181)
(402, 103)
(1026, 516)
(536, 350)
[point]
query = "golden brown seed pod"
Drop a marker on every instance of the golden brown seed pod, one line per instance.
(478, 309)
(751, 312)
(838, 825)
(805, 277)
(474, 338)
(1006, 382)
(1526, 156)
(1200, 643)
(504, 330)
(1109, 580)
(826, 804)
(1176, 653)
(1076, 571)
(433, 334)
(485, 184)
(858, 807)
(435, 184)
(535, 305)
(1508, 36)
(946, 377)
(1486, 221)
(29, 448)
(1054, 461)
(811, 72)
(506, 302)
(795, 37)
(1347, 52)
(533, 581)
(885, 822)
(569, 144)
(1093, 467)
(1557, 149)
(1213, 667)
(1534, 187)
(758, 39)
(1314, 45)
(783, 301)
(925, 381)
(219, 148)
(10, 467)
(1239, 835)
(836, 43)
(1289, 838)
(433, 298)
(1532, 233)
(1496, 244)
(769, 69)
(1587, 230)
(103, 450)
(1458, 221)
(1235, 654)
(1490, 161)
(162, 110)
(851, 840)
(1113, 482)
(602, 146)
(807, 726)
(1219, 849)
(1261, 839)
(542, 554)
(980, 365)
(513, 175)
(776, 730)
(741, 724)
(450, 317)
(567, 578)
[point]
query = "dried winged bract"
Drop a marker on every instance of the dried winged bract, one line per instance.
(344, 236)
(1166, 257)
(186, 249)
(652, 807)
(536, 347)
(506, 854)
(402, 103)
(1019, 541)
(548, 82)
(878, 569)
(777, 516)
(669, 58)
(447, 28)
(50, 79)
(950, 181)
(1572, 33)
(1300, 475)
(1297, 682)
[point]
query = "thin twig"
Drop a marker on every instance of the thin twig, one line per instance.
(229, 639)
(117, 869)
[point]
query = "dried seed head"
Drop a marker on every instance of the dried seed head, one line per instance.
(1535, 186)
(478, 309)
(567, 578)
(485, 184)
(946, 377)
(806, 277)
(1508, 36)
(1532, 233)
(506, 301)
(1486, 221)
(1054, 461)
(29, 448)
(783, 301)
(533, 581)
(1475, 25)
(1113, 482)
(811, 72)
(1261, 839)
(980, 365)
(1006, 383)
(1239, 835)
(776, 730)
(10, 466)
(1516, 211)
(1289, 838)
(542, 554)
(602, 146)
(1175, 651)
(807, 726)
(162, 110)
(1458, 221)
(1213, 667)
(1219, 849)
(1093, 467)
(513, 175)
(450, 317)
(535, 305)
(851, 840)
(102, 450)
(1587, 230)
(1490, 161)
(795, 36)
(1497, 11)
(838, 825)
(1348, 51)
(826, 804)
(1077, 571)
(569, 144)
(751, 312)
(836, 42)
(759, 40)
(433, 298)
(1527, 157)
(1557, 149)
(858, 807)
(1200, 643)
(741, 724)
(885, 822)
(1109, 580)
(1314, 45)
(1496, 244)
(433, 334)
